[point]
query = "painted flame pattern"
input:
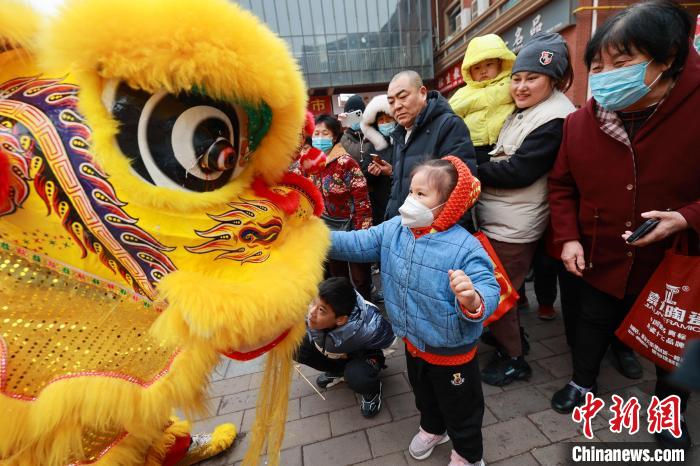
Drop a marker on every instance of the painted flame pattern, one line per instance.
(244, 233)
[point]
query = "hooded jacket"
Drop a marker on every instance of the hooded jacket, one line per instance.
(365, 330)
(378, 104)
(376, 143)
(485, 105)
(437, 132)
(521, 214)
(419, 301)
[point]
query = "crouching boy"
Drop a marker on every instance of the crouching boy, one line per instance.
(345, 338)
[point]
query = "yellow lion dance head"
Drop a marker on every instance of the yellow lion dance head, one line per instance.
(147, 223)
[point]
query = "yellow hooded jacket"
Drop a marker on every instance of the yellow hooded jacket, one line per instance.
(485, 105)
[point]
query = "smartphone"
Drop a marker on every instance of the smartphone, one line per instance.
(375, 158)
(643, 230)
(353, 117)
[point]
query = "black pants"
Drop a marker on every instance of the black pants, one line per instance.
(359, 273)
(450, 399)
(549, 271)
(361, 370)
(601, 314)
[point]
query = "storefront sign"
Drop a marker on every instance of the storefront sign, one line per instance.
(450, 79)
(553, 17)
(319, 104)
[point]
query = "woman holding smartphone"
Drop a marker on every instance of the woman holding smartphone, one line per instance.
(377, 124)
(626, 157)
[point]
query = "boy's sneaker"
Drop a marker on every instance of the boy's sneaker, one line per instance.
(371, 405)
(423, 444)
(328, 379)
(504, 370)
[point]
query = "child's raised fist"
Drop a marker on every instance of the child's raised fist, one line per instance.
(463, 289)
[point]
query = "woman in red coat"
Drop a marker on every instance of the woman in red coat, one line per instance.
(629, 155)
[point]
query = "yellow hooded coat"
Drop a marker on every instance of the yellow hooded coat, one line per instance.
(485, 105)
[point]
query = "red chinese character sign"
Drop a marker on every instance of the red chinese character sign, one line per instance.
(667, 312)
(661, 415)
(319, 104)
(450, 79)
(587, 412)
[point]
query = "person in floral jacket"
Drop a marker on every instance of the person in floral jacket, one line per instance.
(345, 195)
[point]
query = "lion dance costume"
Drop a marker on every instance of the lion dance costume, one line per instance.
(147, 225)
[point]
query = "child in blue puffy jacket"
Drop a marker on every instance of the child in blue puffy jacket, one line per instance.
(439, 286)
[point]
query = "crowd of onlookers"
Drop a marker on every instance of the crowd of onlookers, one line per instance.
(409, 178)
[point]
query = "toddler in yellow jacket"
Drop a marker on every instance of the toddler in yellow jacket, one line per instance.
(485, 101)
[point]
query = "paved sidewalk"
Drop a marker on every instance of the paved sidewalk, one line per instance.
(519, 426)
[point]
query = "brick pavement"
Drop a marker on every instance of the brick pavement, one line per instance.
(519, 427)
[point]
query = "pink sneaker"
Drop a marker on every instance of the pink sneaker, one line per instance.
(423, 444)
(457, 460)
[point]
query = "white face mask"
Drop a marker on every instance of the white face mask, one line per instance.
(416, 215)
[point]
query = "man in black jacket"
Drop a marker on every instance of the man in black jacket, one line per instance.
(427, 129)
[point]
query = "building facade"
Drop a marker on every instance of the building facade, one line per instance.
(355, 46)
(351, 45)
(456, 22)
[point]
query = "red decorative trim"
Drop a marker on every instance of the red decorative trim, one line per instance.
(473, 314)
(290, 202)
(440, 360)
(4, 177)
(247, 356)
(104, 451)
(308, 188)
(287, 202)
(177, 450)
(115, 375)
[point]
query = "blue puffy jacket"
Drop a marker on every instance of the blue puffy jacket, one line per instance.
(365, 330)
(417, 293)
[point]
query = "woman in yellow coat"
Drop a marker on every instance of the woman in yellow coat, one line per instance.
(485, 101)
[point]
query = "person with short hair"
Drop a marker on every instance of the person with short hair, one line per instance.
(439, 286)
(629, 155)
(345, 338)
(427, 129)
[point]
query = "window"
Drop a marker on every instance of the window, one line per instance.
(454, 22)
(479, 7)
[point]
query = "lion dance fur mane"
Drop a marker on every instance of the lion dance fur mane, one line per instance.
(147, 225)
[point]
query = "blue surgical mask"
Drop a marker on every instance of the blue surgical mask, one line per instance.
(618, 89)
(386, 128)
(323, 144)
(355, 126)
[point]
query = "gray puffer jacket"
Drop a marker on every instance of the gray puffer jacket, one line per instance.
(366, 330)
(352, 141)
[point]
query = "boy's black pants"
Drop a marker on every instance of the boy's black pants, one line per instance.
(450, 399)
(361, 369)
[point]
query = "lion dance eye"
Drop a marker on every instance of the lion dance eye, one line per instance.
(220, 156)
(186, 141)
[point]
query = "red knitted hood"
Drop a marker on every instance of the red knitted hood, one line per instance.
(462, 198)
